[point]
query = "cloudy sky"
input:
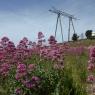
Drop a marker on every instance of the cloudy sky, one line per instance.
(19, 18)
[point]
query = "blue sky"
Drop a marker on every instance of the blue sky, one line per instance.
(19, 18)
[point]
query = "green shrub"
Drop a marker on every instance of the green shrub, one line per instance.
(75, 37)
(88, 34)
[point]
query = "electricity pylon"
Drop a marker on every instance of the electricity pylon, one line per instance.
(62, 13)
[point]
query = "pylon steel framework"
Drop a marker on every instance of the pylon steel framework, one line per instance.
(62, 13)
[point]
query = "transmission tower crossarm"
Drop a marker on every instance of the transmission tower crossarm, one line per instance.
(63, 13)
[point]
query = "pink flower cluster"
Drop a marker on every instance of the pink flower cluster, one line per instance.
(40, 39)
(12, 56)
(21, 71)
(18, 91)
(25, 78)
(53, 52)
(32, 83)
(76, 50)
(52, 40)
(91, 65)
(4, 69)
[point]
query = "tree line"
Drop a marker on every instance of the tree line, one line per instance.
(88, 35)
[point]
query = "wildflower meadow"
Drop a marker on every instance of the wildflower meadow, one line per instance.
(35, 68)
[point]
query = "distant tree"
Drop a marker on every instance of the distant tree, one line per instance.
(88, 34)
(75, 37)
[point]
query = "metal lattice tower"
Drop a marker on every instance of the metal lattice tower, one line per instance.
(62, 13)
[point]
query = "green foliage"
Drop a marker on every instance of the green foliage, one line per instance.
(88, 34)
(75, 37)
(73, 84)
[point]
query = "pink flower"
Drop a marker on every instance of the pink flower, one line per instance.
(40, 35)
(4, 69)
(19, 76)
(34, 44)
(52, 40)
(40, 42)
(18, 91)
(92, 52)
(29, 84)
(90, 78)
(91, 67)
(35, 78)
(21, 71)
(5, 39)
(25, 39)
(21, 68)
(31, 67)
(34, 82)
(1, 55)
(92, 59)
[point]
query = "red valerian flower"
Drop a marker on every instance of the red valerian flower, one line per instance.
(52, 40)
(5, 39)
(18, 91)
(31, 67)
(40, 35)
(21, 71)
(91, 79)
